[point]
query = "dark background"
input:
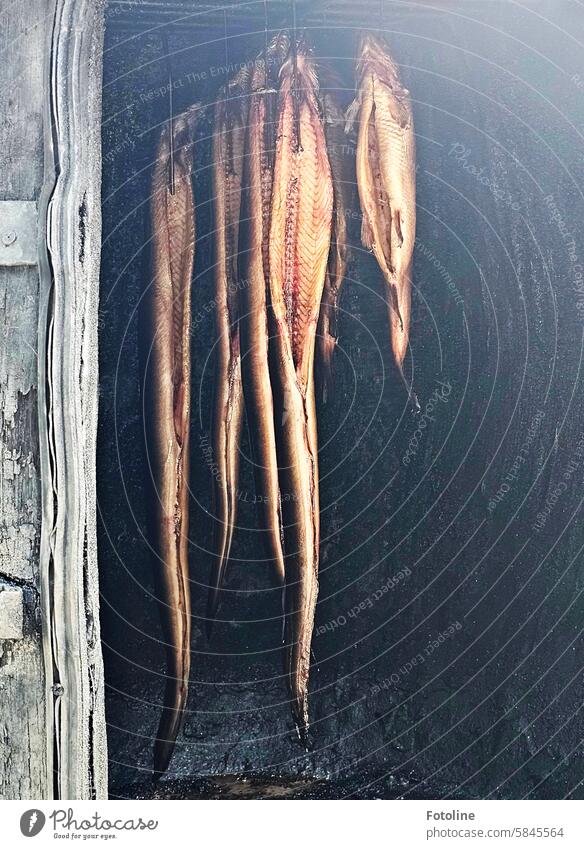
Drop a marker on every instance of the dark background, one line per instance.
(494, 710)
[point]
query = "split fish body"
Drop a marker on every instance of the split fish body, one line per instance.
(228, 148)
(386, 179)
(300, 233)
(254, 321)
(167, 397)
(342, 173)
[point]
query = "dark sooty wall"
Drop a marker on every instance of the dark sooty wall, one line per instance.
(431, 524)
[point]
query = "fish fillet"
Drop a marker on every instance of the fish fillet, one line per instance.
(343, 178)
(386, 179)
(300, 234)
(228, 148)
(260, 151)
(167, 396)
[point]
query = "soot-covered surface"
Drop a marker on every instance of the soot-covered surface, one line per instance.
(448, 649)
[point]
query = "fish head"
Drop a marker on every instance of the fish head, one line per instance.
(184, 126)
(374, 59)
(302, 65)
(278, 49)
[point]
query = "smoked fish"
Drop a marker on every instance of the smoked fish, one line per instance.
(342, 168)
(254, 319)
(300, 235)
(386, 179)
(228, 149)
(168, 405)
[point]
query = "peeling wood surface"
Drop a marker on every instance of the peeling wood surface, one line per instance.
(52, 731)
(19, 468)
(23, 760)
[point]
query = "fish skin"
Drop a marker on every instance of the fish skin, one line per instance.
(343, 178)
(300, 233)
(167, 405)
(254, 324)
(386, 179)
(228, 405)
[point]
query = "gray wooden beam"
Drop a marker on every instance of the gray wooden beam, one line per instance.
(24, 767)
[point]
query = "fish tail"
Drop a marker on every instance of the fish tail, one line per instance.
(175, 698)
(227, 436)
(325, 377)
(225, 524)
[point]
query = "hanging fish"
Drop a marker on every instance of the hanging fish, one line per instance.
(254, 324)
(343, 178)
(254, 321)
(300, 235)
(228, 148)
(167, 402)
(386, 179)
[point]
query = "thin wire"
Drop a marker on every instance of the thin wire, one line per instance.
(166, 51)
(293, 5)
(225, 41)
(295, 77)
(265, 43)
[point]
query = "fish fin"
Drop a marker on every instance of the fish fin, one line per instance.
(367, 233)
(352, 115)
(223, 538)
(226, 440)
(399, 112)
(216, 581)
(169, 727)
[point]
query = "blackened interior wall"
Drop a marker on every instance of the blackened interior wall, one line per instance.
(448, 645)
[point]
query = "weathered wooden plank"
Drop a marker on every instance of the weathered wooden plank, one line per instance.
(22, 43)
(23, 765)
(19, 469)
(18, 233)
(70, 209)
(11, 612)
(24, 771)
(50, 93)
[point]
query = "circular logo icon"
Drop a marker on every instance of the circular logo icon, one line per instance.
(32, 822)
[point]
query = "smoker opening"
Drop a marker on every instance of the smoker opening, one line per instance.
(410, 542)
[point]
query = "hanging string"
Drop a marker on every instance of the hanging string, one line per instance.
(225, 42)
(166, 51)
(295, 101)
(266, 42)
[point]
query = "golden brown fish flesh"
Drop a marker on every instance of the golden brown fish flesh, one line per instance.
(228, 148)
(260, 152)
(386, 179)
(343, 178)
(167, 395)
(300, 234)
